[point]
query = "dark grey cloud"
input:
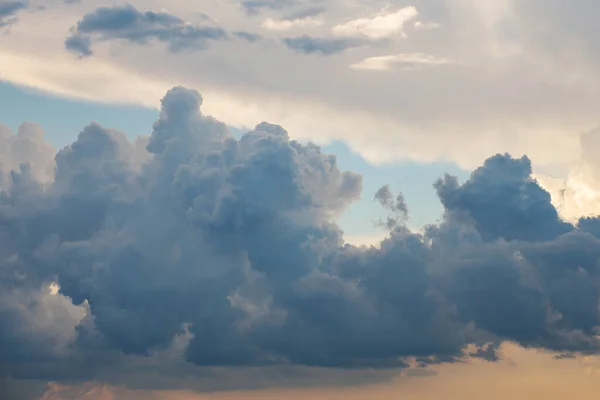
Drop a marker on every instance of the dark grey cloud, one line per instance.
(522, 209)
(8, 10)
(395, 204)
(79, 44)
(193, 249)
(317, 45)
(128, 24)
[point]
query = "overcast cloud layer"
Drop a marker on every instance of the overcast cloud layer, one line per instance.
(396, 80)
(191, 249)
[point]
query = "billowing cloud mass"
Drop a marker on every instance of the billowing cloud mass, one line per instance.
(190, 247)
(129, 24)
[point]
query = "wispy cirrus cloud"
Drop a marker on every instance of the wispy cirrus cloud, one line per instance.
(404, 61)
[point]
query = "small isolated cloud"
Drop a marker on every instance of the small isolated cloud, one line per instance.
(406, 61)
(128, 24)
(8, 10)
(381, 26)
(79, 44)
(323, 46)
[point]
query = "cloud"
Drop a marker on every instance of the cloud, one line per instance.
(248, 36)
(578, 194)
(26, 147)
(309, 12)
(79, 44)
(256, 6)
(396, 205)
(508, 91)
(348, 35)
(302, 18)
(190, 249)
(524, 373)
(8, 9)
(426, 26)
(522, 212)
(287, 24)
(405, 61)
(128, 24)
(317, 45)
(381, 26)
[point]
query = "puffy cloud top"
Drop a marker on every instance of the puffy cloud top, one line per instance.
(111, 249)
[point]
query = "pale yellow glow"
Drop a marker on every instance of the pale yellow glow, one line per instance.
(523, 375)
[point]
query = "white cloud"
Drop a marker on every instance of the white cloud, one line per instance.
(578, 195)
(413, 60)
(382, 26)
(287, 24)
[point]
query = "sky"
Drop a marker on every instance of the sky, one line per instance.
(359, 222)
(240, 199)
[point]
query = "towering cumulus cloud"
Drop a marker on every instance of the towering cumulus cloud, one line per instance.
(225, 252)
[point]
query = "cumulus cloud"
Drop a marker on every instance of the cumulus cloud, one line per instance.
(128, 24)
(405, 61)
(382, 26)
(25, 149)
(578, 195)
(193, 248)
